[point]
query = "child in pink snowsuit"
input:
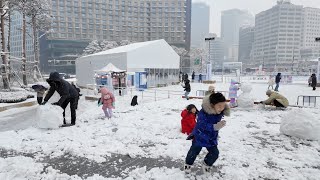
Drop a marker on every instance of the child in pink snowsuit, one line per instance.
(108, 100)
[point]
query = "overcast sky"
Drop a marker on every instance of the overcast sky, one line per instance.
(254, 6)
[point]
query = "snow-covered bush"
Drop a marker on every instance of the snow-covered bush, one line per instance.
(15, 96)
(302, 124)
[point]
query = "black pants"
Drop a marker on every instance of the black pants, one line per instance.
(73, 104)
(39, 99)
(277, 103)
(77, 102)
(211, 157)
(314, 88)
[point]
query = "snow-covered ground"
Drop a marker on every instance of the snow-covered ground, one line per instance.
(251, 145)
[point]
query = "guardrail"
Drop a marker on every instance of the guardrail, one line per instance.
(308, 100)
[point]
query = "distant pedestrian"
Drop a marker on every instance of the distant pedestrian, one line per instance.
(200, 78)
(314, 82)
(186, 77)
(278, 79)
(310, 81)
(193, 76)
(187, 89)
(271, 82)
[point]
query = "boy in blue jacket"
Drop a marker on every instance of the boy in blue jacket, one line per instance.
(205, 134)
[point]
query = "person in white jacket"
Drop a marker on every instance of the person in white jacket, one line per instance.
(271, 82)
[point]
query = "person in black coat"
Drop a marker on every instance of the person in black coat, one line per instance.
(186, 77)
(187, 89)
(134, 101)
(193, 76)
(68, 94)
(200, 78)
(77, 99)
(313, 81)
(278, 79)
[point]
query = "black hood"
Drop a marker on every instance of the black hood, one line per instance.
(54, 76)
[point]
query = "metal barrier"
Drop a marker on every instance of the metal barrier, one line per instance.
(308, 99)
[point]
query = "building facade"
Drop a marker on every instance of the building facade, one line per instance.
(199, 24)
(278, 36)
(311, 29)
(231, 21)
(246, 40)
(217, 52)
(77, 22)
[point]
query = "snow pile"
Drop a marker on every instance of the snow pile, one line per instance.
(156, 173)
(49, 116)
(245, 99)
(302, 124)
(21, 167)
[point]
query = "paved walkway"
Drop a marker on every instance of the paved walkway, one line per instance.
(115, 166)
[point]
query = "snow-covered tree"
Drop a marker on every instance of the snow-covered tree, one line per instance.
(40, 20)
(4, 65)
(97, 46)
(181, 52)
(22, 7)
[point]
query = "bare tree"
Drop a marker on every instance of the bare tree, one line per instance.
(38, 11)
(4, 65)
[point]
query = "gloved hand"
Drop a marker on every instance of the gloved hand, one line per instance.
(55, 104)
(44, 102)
(219, 125)
(99, 102)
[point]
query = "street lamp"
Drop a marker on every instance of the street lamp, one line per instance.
(209, 66)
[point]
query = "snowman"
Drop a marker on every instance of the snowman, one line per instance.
(245, 99)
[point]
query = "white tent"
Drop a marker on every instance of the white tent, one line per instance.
(109, 68)
(136, 57)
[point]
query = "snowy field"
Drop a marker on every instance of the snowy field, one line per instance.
(251, 145)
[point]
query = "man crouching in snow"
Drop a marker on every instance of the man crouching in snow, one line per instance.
(276, 99)
(205, 133)
(68, 94)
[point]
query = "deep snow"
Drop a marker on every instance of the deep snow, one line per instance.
(251, 145)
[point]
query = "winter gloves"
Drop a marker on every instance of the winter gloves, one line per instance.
(219, 125)
(55, 103)
(99, 102)
(44, 102)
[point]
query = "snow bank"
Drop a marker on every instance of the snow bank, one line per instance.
(49, 116)
(245, 99)
(302, 124)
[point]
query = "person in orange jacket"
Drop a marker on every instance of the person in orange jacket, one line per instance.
(188, 121)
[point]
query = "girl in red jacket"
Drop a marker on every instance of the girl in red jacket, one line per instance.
(188, 121)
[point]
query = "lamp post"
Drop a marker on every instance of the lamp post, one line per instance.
(209, 65)
(317, 39)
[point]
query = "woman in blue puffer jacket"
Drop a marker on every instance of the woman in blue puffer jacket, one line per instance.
(205, 134)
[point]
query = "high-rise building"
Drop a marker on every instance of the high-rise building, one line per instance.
(231, 21)
(77, 22)
(278, 36)
(199, 24)
(246, 40)
(311, 29)
(217, 50)
(16, 38)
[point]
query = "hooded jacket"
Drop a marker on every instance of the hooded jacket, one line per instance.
(278, 78)
(65, 89)
(314, 81)
(107, 98)
(188, 121)
(276, 96)
(204, 133)
(187, 86)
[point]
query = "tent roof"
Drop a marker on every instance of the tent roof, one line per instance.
(126, 48)
(110, 68)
